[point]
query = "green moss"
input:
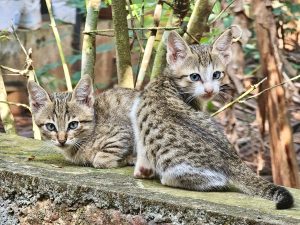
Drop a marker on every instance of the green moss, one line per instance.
(48, 161)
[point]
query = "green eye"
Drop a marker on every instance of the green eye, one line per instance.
(73, 125)
(50, 127)
(217, 75)
(195, 77)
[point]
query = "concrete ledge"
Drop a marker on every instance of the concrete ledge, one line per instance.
(37, 186)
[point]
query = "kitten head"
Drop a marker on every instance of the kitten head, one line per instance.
(198, 69)
(64, 118)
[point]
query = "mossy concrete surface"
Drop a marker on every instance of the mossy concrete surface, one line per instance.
(37, 186)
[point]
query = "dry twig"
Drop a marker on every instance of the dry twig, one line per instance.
(240, 98)
(29, 73)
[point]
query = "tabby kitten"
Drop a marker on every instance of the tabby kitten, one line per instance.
(90, 130)
(182, 146)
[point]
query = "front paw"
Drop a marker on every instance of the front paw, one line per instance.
(143, 173)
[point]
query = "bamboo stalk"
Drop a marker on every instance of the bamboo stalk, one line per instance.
(89, 40)
(149, 46)
(5, 113)
(124, 68)
(160, 60)
(198, 21)
(180, 9)
(59, 46)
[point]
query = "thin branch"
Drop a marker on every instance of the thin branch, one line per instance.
(59, 46)
(16, 104)
(240, 98)
(192, 37)
(31, 75)
(270, 88)
(28, 72)
(132, 25)
(221, 13)
(101, 32)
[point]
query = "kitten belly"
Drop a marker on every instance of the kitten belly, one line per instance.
(194, 178)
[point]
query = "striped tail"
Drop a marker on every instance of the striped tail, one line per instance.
(251, 184)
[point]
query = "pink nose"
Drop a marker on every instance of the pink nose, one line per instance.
(208, 91)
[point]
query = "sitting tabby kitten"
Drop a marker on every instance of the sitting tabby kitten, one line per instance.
(184, 147)
(90, 131)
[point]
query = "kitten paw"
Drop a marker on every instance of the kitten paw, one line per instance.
(143, 172)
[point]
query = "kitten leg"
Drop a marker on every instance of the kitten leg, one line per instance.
(143, 167)
(193, 178)
(108, 160)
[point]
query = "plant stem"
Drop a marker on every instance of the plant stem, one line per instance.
(59, 46)
(149, 46)
(89, 40)
(5, 113)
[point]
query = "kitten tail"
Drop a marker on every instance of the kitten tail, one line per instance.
(251, 184)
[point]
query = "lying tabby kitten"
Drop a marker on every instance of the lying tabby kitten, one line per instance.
(90, 131)
(184, 147)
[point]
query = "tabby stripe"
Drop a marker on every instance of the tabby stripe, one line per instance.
(85, 121)
(179, 78)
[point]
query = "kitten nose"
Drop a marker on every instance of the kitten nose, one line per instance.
(62, 142)
(208, 91)
(61, 137)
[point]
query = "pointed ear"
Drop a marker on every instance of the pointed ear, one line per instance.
(222, 46)
(38, 97)
(84, 91)
(177, 49)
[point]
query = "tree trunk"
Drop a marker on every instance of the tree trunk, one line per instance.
(198, 21)
(88, 46)
(284, 165)
(124, 68)
(180, 9)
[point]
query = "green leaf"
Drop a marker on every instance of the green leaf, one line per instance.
(217, 8)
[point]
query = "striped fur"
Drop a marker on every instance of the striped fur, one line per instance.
(103, 138)
(184, 147)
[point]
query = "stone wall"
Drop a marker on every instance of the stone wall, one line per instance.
(37, 186)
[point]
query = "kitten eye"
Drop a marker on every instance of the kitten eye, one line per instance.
(73, 125)
(216, 75)
(50, 127)
(195, 77)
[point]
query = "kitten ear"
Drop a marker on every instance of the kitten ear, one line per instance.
(84, 91)
(222, 46)
(38, 97)
(177, 49)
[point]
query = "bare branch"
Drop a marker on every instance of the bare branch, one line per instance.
(240, 98)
